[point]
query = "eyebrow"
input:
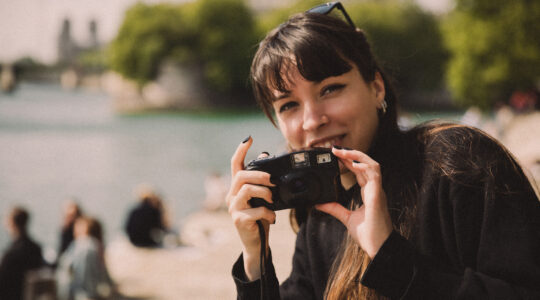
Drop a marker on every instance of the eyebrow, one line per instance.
(282, 96)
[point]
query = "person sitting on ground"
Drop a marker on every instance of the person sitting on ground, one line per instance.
(82, 272)
(21, 256)
(216, 188)
(146, 225)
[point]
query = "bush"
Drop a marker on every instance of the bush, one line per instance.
(495, 50)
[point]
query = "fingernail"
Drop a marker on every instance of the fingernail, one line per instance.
(346, 148)
(274, 221)
(355, 161)
(246, 139)
(338, 147)
(264, 152)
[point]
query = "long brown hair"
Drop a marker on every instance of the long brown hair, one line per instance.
(320, 46)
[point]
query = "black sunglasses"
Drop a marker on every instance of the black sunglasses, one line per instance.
(328, 7)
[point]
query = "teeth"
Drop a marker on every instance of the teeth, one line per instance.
(325, 144)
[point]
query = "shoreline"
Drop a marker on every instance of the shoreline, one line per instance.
(199, 270)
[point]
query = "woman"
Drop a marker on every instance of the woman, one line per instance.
(437, 212)
(82, 273)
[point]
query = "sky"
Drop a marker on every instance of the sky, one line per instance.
(32, 27)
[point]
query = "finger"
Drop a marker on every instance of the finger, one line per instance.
(353, 155)
(371, 172)
(360, 164)
(355, 167)
(336, 210)
(247, 192)
(247, 218)
(359, 169)
(250, 177)
(237, 160)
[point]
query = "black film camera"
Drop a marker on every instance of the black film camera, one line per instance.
(302, 178)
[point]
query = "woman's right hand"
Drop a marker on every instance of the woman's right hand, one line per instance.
(244, 186)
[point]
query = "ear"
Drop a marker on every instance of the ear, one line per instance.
(378, 88)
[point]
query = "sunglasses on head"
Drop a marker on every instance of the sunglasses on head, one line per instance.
(328, 7)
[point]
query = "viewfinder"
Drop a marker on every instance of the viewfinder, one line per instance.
(300, 160)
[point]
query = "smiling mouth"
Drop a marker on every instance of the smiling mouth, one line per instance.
(327, 142)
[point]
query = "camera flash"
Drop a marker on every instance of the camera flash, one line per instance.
(324, 158)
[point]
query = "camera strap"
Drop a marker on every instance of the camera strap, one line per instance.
(262, 261)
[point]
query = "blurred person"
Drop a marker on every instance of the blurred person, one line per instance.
(21, 256)
(82, 272)
(146, 224)
(524, 101)
(438, 211)
(72, 211)
(216, 188)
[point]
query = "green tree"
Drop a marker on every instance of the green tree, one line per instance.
(406, 40)
(148, 35)
(215, 35)
(226, 44)
(495, 50)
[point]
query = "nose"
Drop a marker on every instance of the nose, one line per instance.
(314, 116)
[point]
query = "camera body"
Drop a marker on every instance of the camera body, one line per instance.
(302, 178)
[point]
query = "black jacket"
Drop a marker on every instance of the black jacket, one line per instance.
(144, 224)
(477, 236)
(21, 256)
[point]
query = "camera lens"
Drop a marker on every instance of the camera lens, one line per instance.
(298, 186)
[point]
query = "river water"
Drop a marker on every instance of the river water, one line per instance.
(57, 144)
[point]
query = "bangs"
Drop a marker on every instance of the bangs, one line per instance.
(314, 59)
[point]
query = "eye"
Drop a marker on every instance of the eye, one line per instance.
(332, 88)
(287, 106)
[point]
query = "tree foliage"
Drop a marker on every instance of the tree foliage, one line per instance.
(495, 50)
(216, 35)
(227, 35)
(148, 35)
(406, 39)
(220, 37)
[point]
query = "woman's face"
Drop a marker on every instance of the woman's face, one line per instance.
(80, 228)
(340, 110)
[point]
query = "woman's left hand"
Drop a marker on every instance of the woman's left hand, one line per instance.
(370, 224)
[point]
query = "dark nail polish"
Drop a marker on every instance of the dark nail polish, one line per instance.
(347, 148)
(356, 162)
(264, 152)
(274, 221)
(247, 139)
(338, 147)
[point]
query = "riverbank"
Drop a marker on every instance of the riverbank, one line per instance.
(199, 270)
